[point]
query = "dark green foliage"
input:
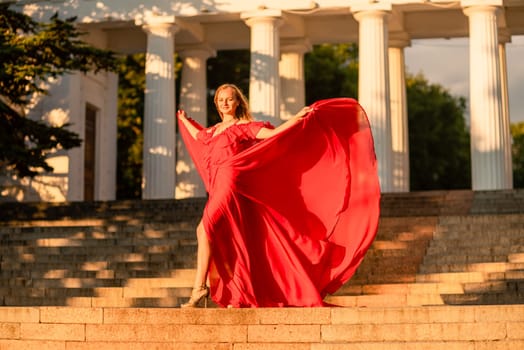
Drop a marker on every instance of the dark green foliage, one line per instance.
(331, 71)
(517, 132)
(32, 52)
(438, 137)
(130, 126)
(24, 143)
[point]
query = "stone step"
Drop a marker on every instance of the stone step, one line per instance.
(405, 300)
(173, 240)
(167, 293)
(128, 209)
(480, 254)
(464, 259)
(471, 267)
(488, 220)
(85, 261)
(493, 236)
(464, 234)
(69, 225)
(480, 231)
(119, 301)
(428, 293)
(63, 228)
(470, 277)
(480, 251)
(420, 224)
(89, 266)
(69, 246)
(119, 253)
(127, 292)
(385, 300)
(501, 286)
(452, 277)
(516, 257)
(400, 242)
(494, 298)
(173, 279)
(400, 288)
(428, 203)
(7, 276)
(375, 328)
(94, 233)
(379, 278)
(431, 288)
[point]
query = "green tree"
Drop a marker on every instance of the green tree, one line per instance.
(131, 86)
(31, 53)
(331, 71)
(517, 132)
(438, 137)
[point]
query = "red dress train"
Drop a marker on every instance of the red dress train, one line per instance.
(289, 218)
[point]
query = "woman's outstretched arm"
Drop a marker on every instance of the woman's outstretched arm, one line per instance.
(189, 126)
(264, 133)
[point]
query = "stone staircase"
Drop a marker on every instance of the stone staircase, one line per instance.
(485, 253)
(446, 269)
(453, 260)
(119, 256)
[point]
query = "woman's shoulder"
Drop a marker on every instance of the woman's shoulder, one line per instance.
(253, 126)
(205, 133)
(257, 123)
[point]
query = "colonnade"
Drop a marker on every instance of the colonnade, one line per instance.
(277, 92)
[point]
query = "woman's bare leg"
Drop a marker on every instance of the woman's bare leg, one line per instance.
(203, 256)
(200, 290)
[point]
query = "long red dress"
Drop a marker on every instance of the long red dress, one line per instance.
(288, 218)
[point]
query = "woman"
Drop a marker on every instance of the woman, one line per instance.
(291, 209)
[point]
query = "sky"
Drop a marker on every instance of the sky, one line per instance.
(445, 62)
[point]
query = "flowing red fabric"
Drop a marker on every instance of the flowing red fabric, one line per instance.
(289, 218)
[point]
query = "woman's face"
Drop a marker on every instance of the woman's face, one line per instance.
(227, 102)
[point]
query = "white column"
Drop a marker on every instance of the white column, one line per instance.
(399, 115)
(487, 124)
(373, 87)
(193, 99)
(158, 180)
(107, 143)
(506, 129)
(65, 103)
(292, 83)
(73, 84)
(264, 79)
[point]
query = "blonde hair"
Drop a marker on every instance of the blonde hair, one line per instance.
(242, 112)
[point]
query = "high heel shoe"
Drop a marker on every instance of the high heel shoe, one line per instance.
(197, 295)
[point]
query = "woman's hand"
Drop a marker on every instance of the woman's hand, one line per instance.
(181, 113)
(264, 133)
(303, 112)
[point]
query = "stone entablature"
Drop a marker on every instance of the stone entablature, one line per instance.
(320, 21)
